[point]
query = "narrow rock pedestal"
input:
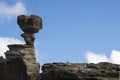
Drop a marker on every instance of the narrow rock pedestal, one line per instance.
(27, 54)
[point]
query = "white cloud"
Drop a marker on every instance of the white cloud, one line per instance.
(96, 58)
(4, 41)
(115, 57)
(10, 11)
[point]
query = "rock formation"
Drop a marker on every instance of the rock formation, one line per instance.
(79, 71)
(29, 25)
(20, 62)
(13, 69)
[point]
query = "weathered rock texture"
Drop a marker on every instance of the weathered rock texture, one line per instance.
(20, 62)
(72, 71)
(12, 69)
(29, 25)
(27, 54)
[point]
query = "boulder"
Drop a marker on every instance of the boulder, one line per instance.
(29, 24)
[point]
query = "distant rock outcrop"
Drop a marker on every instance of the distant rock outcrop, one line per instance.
(79, 71)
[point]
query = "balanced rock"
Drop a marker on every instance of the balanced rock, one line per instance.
(30, 24)
(20, 62)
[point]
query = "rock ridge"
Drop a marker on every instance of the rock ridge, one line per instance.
(80, 71)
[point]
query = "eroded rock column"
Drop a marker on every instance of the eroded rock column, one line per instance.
(29, 25)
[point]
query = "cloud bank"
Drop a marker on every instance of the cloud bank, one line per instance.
(10, 11)
(4, 41)
(96, 58)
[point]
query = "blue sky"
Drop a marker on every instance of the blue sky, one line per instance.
(73, 30)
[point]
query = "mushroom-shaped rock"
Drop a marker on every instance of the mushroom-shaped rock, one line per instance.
(29, 24)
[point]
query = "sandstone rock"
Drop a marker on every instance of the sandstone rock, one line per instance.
(27, 54)
(29, 38)
(20, 62)
(29, 24)
(77, 71)
(13, 69)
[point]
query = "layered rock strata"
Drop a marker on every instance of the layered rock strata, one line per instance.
(27, 54)
(79, 71)
(20, 62)
(13, 69)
